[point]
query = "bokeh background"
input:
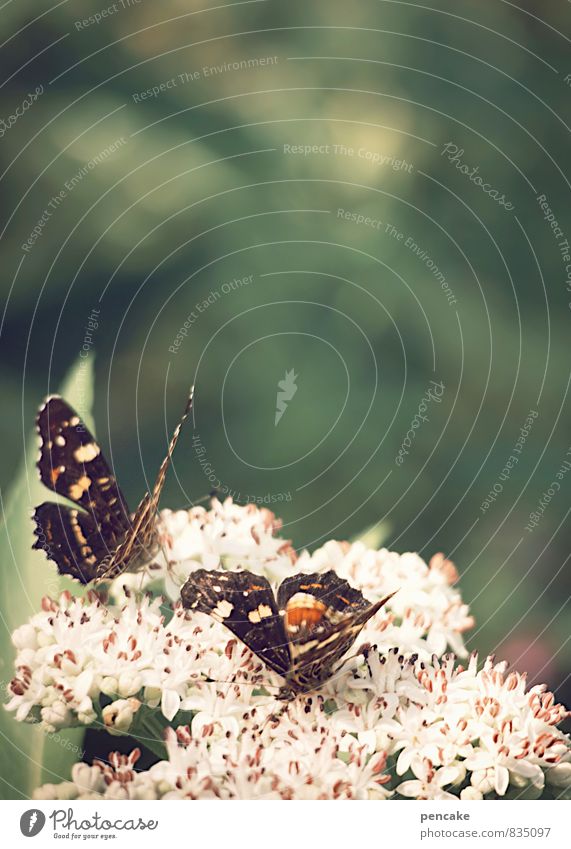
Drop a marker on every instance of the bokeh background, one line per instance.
(293, 186)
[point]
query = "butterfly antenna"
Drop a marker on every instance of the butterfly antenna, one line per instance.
(159, 483)
(154, 497)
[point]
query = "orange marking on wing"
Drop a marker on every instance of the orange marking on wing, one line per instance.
(54, 474)
(301, 614)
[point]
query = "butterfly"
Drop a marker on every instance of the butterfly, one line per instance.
(97, 539)
(300, 633)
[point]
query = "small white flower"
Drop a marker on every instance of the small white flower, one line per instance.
(430, 782)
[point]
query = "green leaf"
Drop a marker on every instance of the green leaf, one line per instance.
(28, 756)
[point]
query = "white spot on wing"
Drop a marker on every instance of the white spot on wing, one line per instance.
(86, 453)
(261, 612)
(223, 609)
(77, 489)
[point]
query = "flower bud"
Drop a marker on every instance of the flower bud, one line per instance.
(86, 778)
(55, 716)
(109, 686)
(483, 780)
(118, 716)
(153, 696)
(559, 775)
(46, 791)
(45, 639)
(129, 683)
(117, 791)
(470, 794)
(145, 789)
(67, 790)
(25, 637)
(85, 711)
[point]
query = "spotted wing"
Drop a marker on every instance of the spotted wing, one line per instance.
(323, 615)
(70, 538)
(335, 642)
(71, 464)
(327, 587)
(140, 540)
(245, 603)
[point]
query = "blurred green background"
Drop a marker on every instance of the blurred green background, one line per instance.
(162, 148)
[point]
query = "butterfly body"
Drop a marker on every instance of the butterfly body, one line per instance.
(300, 633)
(98, 538)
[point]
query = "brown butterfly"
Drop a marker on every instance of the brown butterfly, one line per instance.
(99, 538)
(300, 633)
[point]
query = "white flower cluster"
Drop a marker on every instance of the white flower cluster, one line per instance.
(389, 727)
(390, 721)
(227, 536)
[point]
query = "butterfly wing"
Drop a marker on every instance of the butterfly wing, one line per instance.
(72, 465)
(328, 587)
(245, 603)
(323, 615)
(334, 643)
(70, 538)
(140, 539)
